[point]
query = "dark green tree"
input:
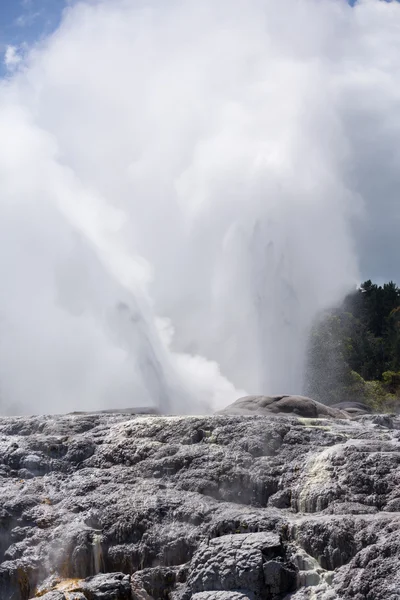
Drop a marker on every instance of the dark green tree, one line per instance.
(354, 349)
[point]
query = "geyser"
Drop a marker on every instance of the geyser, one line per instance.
(180, 183)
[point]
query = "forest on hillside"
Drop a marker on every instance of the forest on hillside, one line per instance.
(354, 349)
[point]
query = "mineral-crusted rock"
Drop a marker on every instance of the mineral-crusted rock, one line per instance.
(353, 408)
(222, 596)
(137, 410)
(253, 563)
(267, 405)
(126, 507)
(113, 586)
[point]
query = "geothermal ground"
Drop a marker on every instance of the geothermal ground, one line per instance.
(125, 507)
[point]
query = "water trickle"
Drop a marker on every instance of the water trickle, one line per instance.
(97, 552)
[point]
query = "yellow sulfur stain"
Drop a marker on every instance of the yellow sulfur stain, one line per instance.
(62, 585)
(68, 585)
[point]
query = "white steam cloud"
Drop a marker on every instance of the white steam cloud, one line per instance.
(181, 184)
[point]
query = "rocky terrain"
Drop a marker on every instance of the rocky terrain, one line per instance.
(267, 503)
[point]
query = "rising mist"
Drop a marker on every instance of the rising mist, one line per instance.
(184, 186)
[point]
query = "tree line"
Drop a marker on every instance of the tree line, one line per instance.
(354, 349)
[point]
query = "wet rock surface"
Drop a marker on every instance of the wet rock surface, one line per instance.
(132, 507)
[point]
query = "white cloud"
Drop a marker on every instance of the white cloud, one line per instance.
(212, 163)
(12, 57)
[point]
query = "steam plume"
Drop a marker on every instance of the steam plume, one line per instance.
(184, 186)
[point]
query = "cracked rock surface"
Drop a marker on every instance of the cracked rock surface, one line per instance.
(110, 506)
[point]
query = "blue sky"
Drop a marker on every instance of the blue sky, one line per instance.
(25, 21)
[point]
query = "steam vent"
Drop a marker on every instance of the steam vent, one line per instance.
(274, 498)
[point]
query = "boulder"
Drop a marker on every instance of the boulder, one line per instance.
(353, 408)
(279, 405)
(252, 564)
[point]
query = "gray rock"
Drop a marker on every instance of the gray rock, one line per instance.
(252, 563)
(222, 596)
(296, 405)
(56, 596)
(353, 408)
(137, 410)
(110, 586)
(114, 586)
(116, 506)
(157, 582)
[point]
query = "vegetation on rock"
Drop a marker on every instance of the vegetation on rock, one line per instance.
(354, 349)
